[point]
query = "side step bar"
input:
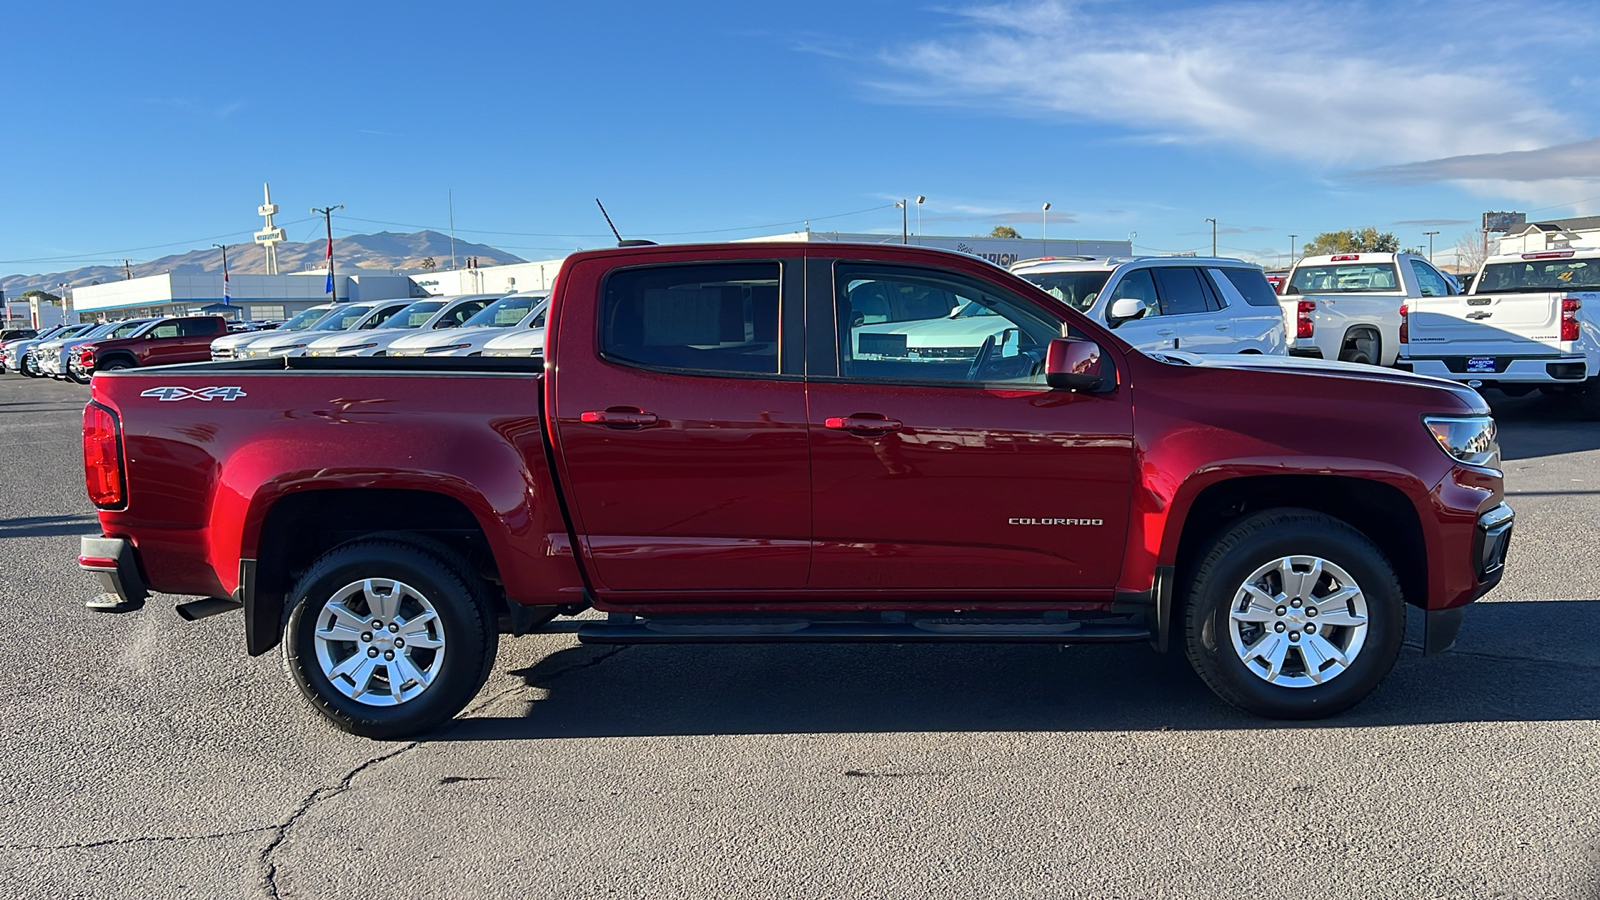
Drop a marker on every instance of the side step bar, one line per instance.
(925, 631)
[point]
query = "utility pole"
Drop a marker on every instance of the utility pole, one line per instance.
(127, 270)
(327, 216)
(1044, 222)
(450, 197)
(903, 229)
(1213, 236)
(224, 249)
(920, 200)
(1293, 248)
(1430, 235)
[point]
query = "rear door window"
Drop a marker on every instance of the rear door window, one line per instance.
(711, 318)
(1431, 282)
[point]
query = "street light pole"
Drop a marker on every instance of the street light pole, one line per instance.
(904, 237)
(1213, 236)
(1044, 223)
(1292, 247)
(920, 200)
(1430, 235)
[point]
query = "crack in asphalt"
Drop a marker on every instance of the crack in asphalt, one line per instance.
(157, 839)
(269, 866)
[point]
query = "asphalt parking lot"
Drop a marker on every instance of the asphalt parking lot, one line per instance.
(149, 757)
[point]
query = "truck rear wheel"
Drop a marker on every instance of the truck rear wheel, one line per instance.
(1294, 615)
(388, 638)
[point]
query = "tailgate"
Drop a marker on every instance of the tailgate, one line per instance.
(1488, 324)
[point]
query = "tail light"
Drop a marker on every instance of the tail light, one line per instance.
(1303, 327)
(1569, 318)
(102, 456)
(1405, 324)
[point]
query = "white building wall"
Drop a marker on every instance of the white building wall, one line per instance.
(528, 276)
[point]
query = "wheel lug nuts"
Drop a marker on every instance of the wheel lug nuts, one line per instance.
(1282, 610)
(377, 623)
(1294, 635)
(1310, 628)
(366, 636)
(394, 626)
(1295, 603)
(399, 642)
(1280, 626)
(388, 654)
(372, 651)
(1311, 610)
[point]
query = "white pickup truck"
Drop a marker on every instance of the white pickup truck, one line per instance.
(1346, 306)
(1529, 322)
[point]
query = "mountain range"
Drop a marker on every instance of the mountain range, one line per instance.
(382, 252)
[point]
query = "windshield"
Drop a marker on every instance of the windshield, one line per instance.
(1539, 275)
(504, 312)
(343, 319)
(304, 320)
(76, 331)
(1076, 289)
(1346, 278)
(415, 315)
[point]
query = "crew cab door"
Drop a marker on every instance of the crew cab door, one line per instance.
(946, 465)
(678, 402)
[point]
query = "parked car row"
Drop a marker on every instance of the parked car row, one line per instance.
(76, 352)
(464, 325)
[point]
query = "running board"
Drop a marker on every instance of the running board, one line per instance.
(924, 631)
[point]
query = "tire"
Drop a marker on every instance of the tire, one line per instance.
(1362, 347)
(29, 368)
(79, 376)
(1259, 550)
(1589, 398)
(450, 653)
(114, 365)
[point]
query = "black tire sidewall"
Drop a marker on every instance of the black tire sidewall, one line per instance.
(1211, 646)
(468, 637)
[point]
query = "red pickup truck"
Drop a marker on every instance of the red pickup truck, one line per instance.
(180, 340)
(737, 443)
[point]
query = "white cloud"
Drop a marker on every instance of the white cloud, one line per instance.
(1332, 84)
(1577, 160)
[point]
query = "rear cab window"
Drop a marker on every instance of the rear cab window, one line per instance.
(1333, 278)
(711, 318)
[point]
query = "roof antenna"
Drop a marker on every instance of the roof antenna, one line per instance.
(620, 241)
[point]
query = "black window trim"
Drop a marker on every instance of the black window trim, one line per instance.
(791, 276)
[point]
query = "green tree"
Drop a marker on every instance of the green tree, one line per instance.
(1004, 231)
(430, 264)
(44, 296)
(1367, 240)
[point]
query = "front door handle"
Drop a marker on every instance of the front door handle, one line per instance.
(1221, 327)
(862, 424)
(619, 417)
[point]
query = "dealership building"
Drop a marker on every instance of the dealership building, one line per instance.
(251, 297)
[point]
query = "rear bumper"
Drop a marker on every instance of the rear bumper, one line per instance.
(1307, 351)
(116, 564)
(1513, 370)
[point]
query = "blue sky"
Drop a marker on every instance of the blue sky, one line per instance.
(137, 131)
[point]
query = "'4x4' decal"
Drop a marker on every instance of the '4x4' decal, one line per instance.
(183, 393)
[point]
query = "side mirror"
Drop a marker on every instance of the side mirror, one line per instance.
(1124, 309)
(1074, 364)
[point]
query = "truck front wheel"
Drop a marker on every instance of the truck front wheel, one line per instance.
(1294, 615)
(389, 638)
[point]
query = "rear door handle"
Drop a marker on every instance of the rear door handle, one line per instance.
(619, 417)
(863, 424)
(1221, 327)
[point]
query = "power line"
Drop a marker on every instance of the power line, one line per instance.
(607, 235)
(116, 254)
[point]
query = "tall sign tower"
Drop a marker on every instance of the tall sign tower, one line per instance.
(270, 235)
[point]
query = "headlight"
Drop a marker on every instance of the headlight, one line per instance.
(1468, 439)
(445, 349)
(355, 348)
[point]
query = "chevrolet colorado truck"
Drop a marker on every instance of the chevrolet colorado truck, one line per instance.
(1528, 323)
(1346, 306)
(702, 455)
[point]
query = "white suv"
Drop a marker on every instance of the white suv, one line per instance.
(1198, 304)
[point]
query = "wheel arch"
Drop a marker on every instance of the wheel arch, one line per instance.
(301, 526)
(123, 356)
(1377, 509)
(1359, 329)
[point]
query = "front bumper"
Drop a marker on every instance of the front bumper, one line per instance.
(1491, 541)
